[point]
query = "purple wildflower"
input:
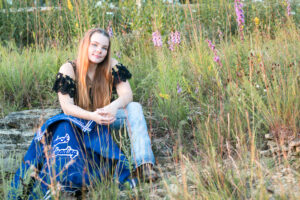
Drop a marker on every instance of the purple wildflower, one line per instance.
(118, 54)
(156, 38)
(240, 16)
(217, 59)
(210, 44)
(110, 32)
(174, 39)
(220, 34)
(213, 48)
(171, 45)
(288, 8)
(179, 89)
(197, 90)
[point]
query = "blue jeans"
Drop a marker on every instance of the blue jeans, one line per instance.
(136, 126)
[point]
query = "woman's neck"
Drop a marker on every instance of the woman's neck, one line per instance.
(91, 71)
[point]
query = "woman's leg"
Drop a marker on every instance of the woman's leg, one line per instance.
(141, 151)
(22, 182)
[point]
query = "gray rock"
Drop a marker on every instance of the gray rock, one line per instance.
(27, 119)
(17, 130)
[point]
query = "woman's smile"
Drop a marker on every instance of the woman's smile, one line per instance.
(98, 48)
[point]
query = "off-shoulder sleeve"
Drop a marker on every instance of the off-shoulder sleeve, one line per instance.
(64, 84)
(120, 73)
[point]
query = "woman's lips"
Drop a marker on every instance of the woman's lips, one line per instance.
(97, 56)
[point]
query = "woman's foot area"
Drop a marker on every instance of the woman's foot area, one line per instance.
(145, 173)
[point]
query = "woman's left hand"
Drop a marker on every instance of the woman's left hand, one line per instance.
(108, 110)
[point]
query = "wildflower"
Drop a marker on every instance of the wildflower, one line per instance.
(217, 59)
(220, 33)
(76, 25)
(288, 7)
(110, 31)
(156, 38)
(240, 16)
(174, 39)
(70, 7)
(164, 96)
(118, 54)
(179, 89)
(171, 45)
(197, 90)
(213, 48)
(257, 86)
(258, 58)
(211, 45)
(209, 68)
(256, 21)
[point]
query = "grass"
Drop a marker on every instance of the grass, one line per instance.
(216, 125)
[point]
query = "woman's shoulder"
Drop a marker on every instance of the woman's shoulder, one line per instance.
(68, 69)
(114, 62)
(65, 80)
(116, 65)
(119, 72)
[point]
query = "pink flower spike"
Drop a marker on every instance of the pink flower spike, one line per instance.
(174, 39)
(213, 48)
(288, 7)
(179, 89)
(240, 18)
(156, 38)
(217, 59)
(110, 32)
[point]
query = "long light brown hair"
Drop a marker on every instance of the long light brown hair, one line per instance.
(101, 86)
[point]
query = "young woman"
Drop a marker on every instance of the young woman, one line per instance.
(77, 144)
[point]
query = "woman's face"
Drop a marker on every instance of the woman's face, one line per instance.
(98, 48)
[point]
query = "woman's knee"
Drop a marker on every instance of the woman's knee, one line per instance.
(134, 106)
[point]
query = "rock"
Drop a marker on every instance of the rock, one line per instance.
(269, 137)
(284, 148)
(295, 143)
(27, 119)
(17, 130)
(272, 144)
(15, 136)
(173, 188)
(266, 153)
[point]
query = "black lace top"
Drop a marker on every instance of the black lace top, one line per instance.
(66, 85)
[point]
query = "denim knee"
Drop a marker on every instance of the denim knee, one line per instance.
(134, 105)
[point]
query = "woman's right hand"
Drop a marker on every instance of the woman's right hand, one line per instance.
(102, 119)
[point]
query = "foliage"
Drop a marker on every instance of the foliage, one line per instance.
(210, 110)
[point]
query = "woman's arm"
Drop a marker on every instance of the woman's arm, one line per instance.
(124, 97)
(68, 106)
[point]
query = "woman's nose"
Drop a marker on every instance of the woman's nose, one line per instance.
(99, 50)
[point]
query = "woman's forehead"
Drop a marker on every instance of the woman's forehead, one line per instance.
(100, 38)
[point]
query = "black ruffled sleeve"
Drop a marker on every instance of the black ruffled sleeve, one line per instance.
(120, 73)
(64, 84)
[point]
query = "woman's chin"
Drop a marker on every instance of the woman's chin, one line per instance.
(96, 61)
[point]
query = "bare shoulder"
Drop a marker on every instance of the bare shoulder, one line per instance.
(113, 62)
(67, 69)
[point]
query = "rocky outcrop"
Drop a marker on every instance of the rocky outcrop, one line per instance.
(16, 132)
(283, 147)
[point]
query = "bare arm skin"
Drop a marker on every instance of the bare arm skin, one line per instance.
(69, 108)
(124, 97)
